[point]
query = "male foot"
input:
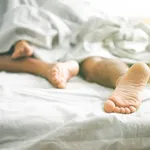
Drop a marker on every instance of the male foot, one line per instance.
(126, 97)
(22, 49)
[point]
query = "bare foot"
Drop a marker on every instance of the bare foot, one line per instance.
(58, 74)
(126, 97)
(22, 49)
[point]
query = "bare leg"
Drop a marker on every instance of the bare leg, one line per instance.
(103, 71)
(57, 74)
(130, 82)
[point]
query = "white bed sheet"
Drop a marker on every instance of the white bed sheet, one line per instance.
(36, 116)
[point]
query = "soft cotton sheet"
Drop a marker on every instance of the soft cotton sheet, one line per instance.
(41, 117)
(36, 116)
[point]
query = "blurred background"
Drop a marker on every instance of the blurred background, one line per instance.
(132, 8)
(139, 9)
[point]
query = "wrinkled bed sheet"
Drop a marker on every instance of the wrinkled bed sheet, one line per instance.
(41, 117)
(36, 116)
(73, 27)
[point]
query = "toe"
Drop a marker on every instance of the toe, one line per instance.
(62, 85)
(116, 110)
(127, 110)
(54, 78)
(109, 106)
(132, 109)
(122, 110)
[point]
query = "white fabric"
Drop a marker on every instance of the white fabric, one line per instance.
(36, 116)
(75, 28)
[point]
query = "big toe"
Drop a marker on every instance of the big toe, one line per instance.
(109, 106)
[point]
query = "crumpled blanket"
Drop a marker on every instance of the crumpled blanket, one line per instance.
(62, 29)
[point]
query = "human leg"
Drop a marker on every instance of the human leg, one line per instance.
(57, 73)
(128, 83)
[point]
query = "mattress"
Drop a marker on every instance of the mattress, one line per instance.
(36, 116)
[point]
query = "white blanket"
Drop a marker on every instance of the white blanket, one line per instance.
(34, 115)
(73, 28)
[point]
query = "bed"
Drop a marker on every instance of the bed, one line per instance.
(36, 116)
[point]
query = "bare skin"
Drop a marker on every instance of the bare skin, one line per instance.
(126, 96)
(128, 83)
(57, 74)
(22, 49)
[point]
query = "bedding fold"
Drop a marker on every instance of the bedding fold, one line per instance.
(57, 24)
